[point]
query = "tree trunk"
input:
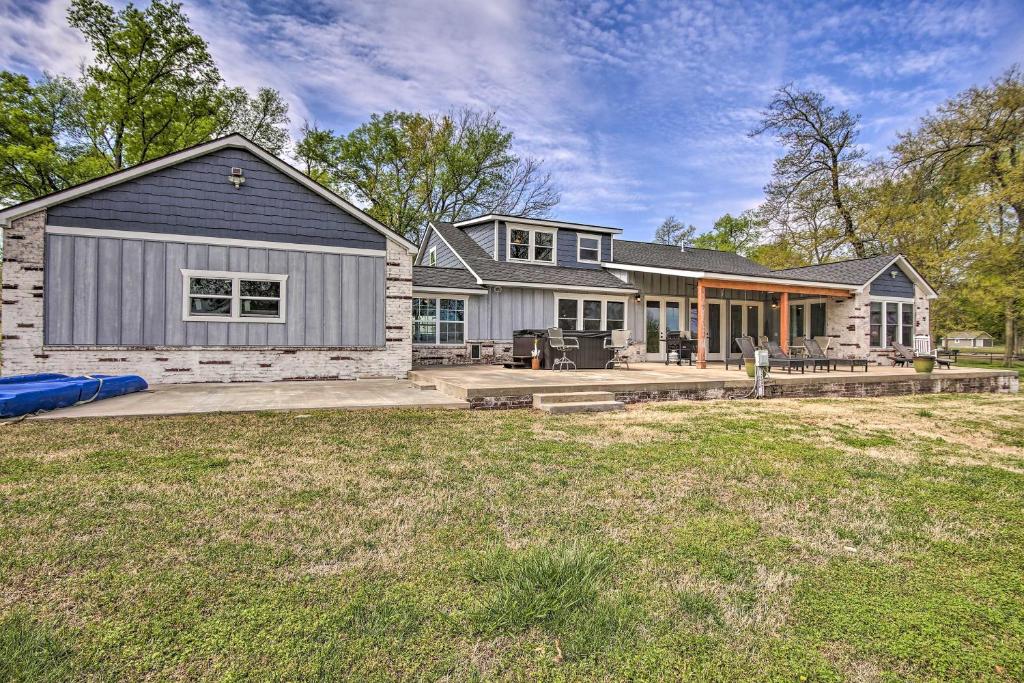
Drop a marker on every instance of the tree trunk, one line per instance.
(1010, 334)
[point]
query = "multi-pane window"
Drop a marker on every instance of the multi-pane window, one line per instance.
(585, 313)
(531, 245)
(589, 249)
(438, 321)
(237, 297)
(432, 256)
(891, 321)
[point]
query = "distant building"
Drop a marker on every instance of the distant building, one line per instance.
(969, 338)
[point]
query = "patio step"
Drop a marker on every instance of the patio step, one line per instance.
(577, 402)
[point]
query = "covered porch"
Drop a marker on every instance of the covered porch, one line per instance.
(714, 311)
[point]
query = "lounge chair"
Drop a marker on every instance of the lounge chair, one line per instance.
(905, 356)
(746, 345)
(747, 348)
(777, 355)
(815, 351)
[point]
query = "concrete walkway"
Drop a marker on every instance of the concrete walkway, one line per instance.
(184, 399)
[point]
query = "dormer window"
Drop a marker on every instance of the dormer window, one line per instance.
(432, 256)
(588, 249)
(531, 244)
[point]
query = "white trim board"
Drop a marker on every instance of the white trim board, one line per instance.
(561, 287)
(233, 140)
(449, 290)
(585, 227)
(219, 241)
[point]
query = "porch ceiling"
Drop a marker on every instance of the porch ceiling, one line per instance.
(721, 283)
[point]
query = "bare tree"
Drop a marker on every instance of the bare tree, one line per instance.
(674, 231)
(818, 174)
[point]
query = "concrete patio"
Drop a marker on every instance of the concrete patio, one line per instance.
(492, 386)
(182, 399)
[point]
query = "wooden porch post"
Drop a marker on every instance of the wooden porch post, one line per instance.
(784, 321)
(702, 332)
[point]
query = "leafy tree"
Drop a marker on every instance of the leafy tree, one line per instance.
(674, 231)
(971, 150)
(738, 234)
(41, 150)
(263, 119)
(814, 184)
(411, 168)
(152, 87)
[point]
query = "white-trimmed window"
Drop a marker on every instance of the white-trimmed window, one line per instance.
(219, 296)
(589, 312)
(588, 248)
(432, 256)
(533, 245)
(439, 321)
(891, 320)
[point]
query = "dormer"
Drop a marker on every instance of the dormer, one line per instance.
(539, 241)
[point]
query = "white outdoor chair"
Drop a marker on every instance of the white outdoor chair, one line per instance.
(560, 342)
(618, 342)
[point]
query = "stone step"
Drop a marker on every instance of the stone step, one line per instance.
(540, 400)
(423, 385)
(582, 407)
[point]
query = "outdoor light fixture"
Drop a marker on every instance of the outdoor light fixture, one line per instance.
(637, 298)
(775, 302)
(892, 273)
(236, 178)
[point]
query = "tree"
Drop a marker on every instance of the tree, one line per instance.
(152, 87)
(972, 149)
(41, 150)
(411, 168)
(263, 119)
(814, 183)
(674, 231)
(738, 234)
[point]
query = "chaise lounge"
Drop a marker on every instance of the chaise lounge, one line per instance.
(814, 351)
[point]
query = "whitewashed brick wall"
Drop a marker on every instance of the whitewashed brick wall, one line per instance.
(24, 352)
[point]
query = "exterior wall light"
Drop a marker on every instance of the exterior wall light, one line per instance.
(236, 178)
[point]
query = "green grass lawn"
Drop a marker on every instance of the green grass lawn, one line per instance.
(780, 540)
(993, 364)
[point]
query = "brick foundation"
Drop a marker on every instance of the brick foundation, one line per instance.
(491, 353)
(24, 351)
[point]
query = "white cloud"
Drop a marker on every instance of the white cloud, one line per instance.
(35, 38)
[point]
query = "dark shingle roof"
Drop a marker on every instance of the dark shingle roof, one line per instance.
(853, 272)
(671, 256)
(484, 265)
(432, 276)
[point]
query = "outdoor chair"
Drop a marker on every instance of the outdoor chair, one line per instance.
(560, 342)
(618, 342)
(905, 356)
(746, 345)
(784, 360)
(814, 351)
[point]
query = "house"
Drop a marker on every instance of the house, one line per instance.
(969, 338)
(217, 263)
(221, 262)
(478, 280)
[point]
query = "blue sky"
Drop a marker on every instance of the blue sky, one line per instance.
(640, 109)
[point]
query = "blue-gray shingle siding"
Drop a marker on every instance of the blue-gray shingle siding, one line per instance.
(195, 198)
(900, 287)
(484, 236)
(446, 258)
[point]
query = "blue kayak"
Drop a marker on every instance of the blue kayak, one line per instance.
(24, 394)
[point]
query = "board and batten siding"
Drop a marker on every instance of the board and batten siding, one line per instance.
(496, 315)
(899, 287)
(126, 292)
(195, 198)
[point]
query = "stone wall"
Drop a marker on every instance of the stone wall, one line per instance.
(491, 353)
(848, 321)
(24, 352)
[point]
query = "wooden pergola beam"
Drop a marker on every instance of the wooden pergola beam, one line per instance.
(773, 288)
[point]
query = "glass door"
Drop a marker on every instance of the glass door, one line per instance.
(745, 320)
(662, 316)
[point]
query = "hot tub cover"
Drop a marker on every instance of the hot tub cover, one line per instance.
(24, 394)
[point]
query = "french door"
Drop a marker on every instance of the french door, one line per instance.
(746, 319)
(661, 316)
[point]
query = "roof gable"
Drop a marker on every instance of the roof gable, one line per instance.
(234, 140)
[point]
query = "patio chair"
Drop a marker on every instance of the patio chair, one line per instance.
(746, 345)
(618, 342)
(560, 342)
(905, 356)
(814, 351)
(784, 360)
